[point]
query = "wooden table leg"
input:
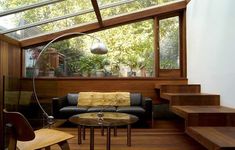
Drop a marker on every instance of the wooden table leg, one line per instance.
(128, 135)
(83, 132)
(115, 131)
(79, 135)
(91, 138)
(108, 139)
(102, 130)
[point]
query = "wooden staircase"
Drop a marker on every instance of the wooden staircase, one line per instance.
(206, 121)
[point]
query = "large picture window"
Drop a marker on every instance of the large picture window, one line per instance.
(131, 54)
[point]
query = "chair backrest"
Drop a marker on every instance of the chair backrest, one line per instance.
(20, 128)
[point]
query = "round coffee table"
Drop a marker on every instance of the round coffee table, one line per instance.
(108, 120)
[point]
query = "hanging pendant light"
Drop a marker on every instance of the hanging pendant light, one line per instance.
(98, 48)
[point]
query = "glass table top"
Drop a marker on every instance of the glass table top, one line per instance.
(103, 119)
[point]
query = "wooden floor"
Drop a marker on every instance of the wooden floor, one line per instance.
(142, 139)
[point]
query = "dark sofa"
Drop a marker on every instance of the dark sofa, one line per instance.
(65, 107)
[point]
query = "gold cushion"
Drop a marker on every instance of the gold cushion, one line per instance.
(110, 99)
(85, 98)
(104, 99)
(123, 99)
(97, 99)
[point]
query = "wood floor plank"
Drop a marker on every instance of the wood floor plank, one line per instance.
(142, 139)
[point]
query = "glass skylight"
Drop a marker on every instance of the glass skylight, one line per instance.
(13, 4)
(60, 14)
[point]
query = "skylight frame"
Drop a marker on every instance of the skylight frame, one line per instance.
(64, 17)
(28, 7)
(108, 22)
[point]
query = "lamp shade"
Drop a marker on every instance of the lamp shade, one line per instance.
(98, 48)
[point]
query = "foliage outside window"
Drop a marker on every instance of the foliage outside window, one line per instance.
(169, 43)
(131, 54)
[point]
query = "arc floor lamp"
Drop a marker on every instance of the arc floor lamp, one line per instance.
(96, 48)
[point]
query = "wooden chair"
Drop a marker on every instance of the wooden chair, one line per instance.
(23, 137)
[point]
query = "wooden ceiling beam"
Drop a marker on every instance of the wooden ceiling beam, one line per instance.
(187, 1)
(111, 22)
(10, 40)
(97, 11)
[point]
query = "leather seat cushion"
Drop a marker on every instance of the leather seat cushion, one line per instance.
(73, 109)
(131, 110)
(99, 108)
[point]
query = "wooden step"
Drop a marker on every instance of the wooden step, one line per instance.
(191, 98)
(214, 138)
(206, 115)
(179, 88)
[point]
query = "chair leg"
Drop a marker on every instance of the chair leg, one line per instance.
(64, 145)
(79, 135)
(48, 148)
(12, 144)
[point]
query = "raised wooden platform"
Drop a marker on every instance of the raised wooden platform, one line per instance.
(206, 115)
(179, 88)
(214, 138)
(191, 98)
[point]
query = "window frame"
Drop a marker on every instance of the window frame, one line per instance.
(173, 73)
(158, 73)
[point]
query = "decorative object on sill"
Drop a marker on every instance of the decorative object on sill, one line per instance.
(96, 48)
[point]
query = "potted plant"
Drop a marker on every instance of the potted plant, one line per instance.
(51, 71)
(86, 66)
(115, 69)
(132, 62)
(100, 63)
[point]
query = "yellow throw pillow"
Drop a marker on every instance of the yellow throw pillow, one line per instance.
(97, 99)
(110, 99)
(104, 99)
(123, 99)
(85, 98)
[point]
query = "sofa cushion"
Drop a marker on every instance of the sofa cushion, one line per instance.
(136, 99)
(131, 110)
(104, 99)
(105, 109)
(72, 98)
(123, 99)
(73, 109)
(85, 99)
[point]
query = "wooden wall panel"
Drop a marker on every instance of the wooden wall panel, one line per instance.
(10, 58)
(48, 88)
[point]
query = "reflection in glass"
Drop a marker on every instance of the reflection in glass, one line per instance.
(42, 13)
(129, 7)
(53, 26)
(9, 4)
(169, 43)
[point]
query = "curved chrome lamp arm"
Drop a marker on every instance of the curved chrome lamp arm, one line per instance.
(96, 49)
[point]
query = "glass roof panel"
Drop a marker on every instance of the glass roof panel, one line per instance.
(43, 13)
(129, 6)
(13, 4)
(62, 15)
(53, 26)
